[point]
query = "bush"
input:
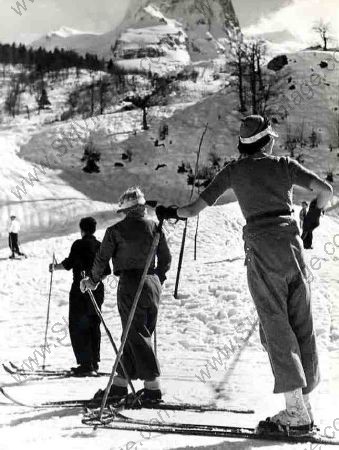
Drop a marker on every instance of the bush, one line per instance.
(91, 157)
(66, 115)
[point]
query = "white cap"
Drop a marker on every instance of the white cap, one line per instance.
(130, 198)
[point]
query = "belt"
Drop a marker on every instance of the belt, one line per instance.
(268, 215)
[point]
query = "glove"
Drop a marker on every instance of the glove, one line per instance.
(87, 284)
(54, 266)
(170, 212)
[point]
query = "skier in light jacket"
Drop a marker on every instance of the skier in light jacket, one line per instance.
(276, 268)
(13, 237)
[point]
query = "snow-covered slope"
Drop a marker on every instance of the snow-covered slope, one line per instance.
(154, 164)
(214, 312)
(306, 99)
(35, 193)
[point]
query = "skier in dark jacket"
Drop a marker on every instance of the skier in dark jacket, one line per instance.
(84, 324)
(276, 268)
(128, 244)
(311, 222)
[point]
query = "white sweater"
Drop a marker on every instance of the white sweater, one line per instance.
(14, 226)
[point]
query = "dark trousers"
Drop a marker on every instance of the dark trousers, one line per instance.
(14, 244)
(307, 238)
(84, 327)
(138, 357)
(277, 281)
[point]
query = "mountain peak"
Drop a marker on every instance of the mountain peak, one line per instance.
(64, 32)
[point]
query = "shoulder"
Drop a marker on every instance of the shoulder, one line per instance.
(77, 243)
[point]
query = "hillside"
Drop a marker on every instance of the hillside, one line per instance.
(50, 173)
(160, 163)
(35, 192)
(306, 102)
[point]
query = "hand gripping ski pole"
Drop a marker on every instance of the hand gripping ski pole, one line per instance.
(150, 257)
(48, 310)
(97, 310)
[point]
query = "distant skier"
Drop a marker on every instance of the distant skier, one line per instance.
(13, 237)
(84, 324)
(302, 214)
(276, 271)
(311, 222)
(128, 244)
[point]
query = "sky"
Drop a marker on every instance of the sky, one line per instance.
(41, 16)
(297, 17)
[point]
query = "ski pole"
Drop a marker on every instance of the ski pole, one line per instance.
(149, 260)
(183, 241)
(97, 310)
(155, 343)
(48, 310)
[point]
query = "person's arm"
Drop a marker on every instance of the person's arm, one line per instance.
(56, 266)
(164, 258)
(323, 191)
(67, 263)
(101, 263)
(307, 179)
(193, 209)
(208, 197)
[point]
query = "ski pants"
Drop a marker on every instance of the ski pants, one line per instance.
(307, 238)
(84, 326)
(278, 284)
(14, 243)
(138, 357)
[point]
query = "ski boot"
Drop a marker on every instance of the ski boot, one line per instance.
(83, 370)
(151, 394)
(116, 394)
(294, 419)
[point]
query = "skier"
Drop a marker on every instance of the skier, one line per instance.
(302, 214)
(13, 237)
(84, 324)
(128, 244)
(276, 271)
(311, 222)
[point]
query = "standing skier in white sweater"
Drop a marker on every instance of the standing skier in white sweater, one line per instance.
(13, 237)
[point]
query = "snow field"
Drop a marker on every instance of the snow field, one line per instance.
(202, 341)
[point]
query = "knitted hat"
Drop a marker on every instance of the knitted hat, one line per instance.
(254, 128)
(131, 198)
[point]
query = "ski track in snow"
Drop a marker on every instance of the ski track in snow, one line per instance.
(214, 310)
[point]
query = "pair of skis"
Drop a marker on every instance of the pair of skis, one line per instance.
(95, 403)
(117, 421)
(113, 419)
(14, 370)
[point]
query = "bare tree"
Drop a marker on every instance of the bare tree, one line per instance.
(103, 87)
(240, 65)
(291, 140)
(12, 100)
(323, 30)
